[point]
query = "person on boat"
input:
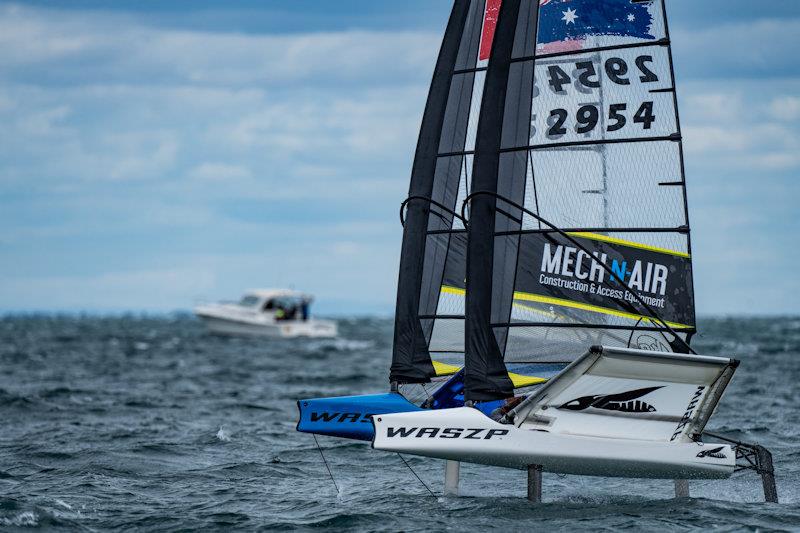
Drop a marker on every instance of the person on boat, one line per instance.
(304, 309)
(280, 313)
(510, 403)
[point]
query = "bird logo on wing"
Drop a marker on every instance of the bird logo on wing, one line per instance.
(716, 453)
(626, 402)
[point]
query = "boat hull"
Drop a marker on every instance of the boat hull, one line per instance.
(288, 329)
(465, 434)
(349, 417)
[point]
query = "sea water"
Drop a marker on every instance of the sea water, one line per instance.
(151, 423)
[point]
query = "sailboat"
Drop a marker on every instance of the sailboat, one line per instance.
(554, 238)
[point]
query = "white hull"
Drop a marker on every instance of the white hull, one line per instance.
(465, 434)
(613, 412)
(276, 329)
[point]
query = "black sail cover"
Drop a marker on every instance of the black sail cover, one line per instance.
(429, 318)
(583, 132)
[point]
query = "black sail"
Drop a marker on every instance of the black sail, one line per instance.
(486, 377)
(579, 232)
(429, 319)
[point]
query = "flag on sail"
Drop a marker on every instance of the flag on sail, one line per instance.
(567, 24)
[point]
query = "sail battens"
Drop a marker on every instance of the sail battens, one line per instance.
(589, 325)
(442, 317)
(447, 231)
(469, 70)
(540, 57)
(456, 154)
(548, 146)
(680, 230)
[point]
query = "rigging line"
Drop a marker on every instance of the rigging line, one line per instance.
(415, 475)
(533, 179)
(431, 201)
(428, 394)
(653, 314)
(633, 330)
(326, 463)
(467, 182)
(677, 124)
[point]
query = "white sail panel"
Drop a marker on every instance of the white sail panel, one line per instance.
(605, 95)
(608, 186)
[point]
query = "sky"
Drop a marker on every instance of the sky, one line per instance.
(157, 154)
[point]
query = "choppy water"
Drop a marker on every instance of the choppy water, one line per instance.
(150, 423)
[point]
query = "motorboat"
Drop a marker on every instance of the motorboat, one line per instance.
(267, 313)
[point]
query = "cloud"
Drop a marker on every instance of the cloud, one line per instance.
(130, 160)
(143, 165)
(732, 124)
(155, 290)
(742, 162)
(785, 108)
(761, 49)
(58, 43)
(220, 172)
(44, 123)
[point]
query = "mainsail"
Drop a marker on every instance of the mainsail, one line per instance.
(429, 319)
(578, 224)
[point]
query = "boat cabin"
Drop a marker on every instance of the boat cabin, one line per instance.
(283, 304)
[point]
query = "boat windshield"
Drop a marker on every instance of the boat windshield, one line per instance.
(249, 301)
(288, 302)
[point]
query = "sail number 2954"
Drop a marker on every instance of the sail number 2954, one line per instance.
(588, 116)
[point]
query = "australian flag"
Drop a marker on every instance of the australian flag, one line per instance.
(568, 24)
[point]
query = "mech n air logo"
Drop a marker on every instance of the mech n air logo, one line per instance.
(624, 402)
(716, 453)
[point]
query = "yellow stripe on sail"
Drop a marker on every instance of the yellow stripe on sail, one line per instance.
(589, 307)
(524, 296)
(446, 289)
(623, 242)
(443, 369)
(519, 380)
